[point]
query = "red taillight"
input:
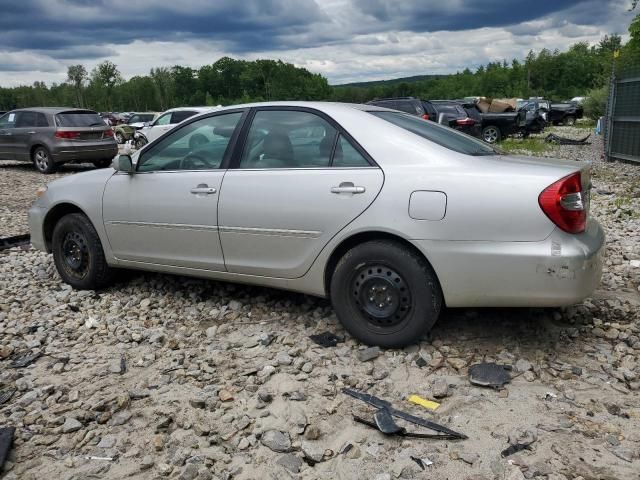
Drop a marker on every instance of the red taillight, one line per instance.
(107, 133)
(67, 135)
(425, 116)
(564, 203)
(465, 121)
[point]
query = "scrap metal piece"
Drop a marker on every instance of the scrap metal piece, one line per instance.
(6, 439)
(385, 422)
(489, 375)
(380, 404)
(402, 432)
(6, 394)
(553, 138)
(326, 339)
(25, 360)
(515, 449)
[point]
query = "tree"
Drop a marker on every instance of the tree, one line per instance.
(76, 76)
(106, 76)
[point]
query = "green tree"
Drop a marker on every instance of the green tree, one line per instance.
(76, 76)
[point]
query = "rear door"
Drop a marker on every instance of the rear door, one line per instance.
(297, 182)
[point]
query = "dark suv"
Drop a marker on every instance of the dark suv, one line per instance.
(51, 136)
(453, 115)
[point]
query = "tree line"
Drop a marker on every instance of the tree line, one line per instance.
(582, 70)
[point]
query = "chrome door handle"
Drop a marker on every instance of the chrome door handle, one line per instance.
(203, 189)
(348, 187)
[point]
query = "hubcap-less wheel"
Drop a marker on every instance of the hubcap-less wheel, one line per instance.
(491, 135)
(41, 158)
(76, 256)
(381, 295)
(119, 138)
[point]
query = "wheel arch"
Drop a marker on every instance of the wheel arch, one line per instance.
(33, 147)
(361, 237)
(53, 216)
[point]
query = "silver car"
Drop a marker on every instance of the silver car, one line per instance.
(388, 215)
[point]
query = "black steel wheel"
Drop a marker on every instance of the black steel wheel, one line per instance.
(385, 293)
(78, 253)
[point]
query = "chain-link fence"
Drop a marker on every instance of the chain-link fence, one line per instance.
(622, 128)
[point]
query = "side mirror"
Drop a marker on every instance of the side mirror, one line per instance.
(123, 164)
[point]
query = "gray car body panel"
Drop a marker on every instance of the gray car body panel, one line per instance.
(492, 247)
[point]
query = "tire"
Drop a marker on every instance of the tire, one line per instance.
(120, 138)
(102, 163)
(400, 279)
(42, 160)
(491, 134)
(140, 142)
(569, 121)
(78, 254)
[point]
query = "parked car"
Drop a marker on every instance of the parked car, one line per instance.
(495, 127)
(389, 216)
(165, 122)
(136, 121)
(565, 113)
(536, 117)
(49, 137)
(453, 115)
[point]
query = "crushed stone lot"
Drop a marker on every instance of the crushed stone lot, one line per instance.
(171, 377)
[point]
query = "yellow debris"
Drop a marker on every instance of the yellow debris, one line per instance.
(428, 404)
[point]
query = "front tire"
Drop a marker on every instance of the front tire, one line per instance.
(140, 142)
(43, 161)
(491, 134)
(569, 121)
(78, 253)
(385, 294)
(102, 163)
(120, 138)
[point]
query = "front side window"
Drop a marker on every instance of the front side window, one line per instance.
(163, 120)
(288, 139)
(8, 120)
(200, 145)
(441, 135)
(26, 119)
(181, 115)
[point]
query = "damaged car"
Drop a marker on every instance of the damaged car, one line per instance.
(390, 217)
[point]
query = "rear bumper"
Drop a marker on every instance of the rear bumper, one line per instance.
(561, 270)
(68, 152)
(36, 224)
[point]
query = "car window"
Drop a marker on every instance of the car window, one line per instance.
(406, 106)
(179, 116)
(443, 136)
(200, 145)
(79, 119)
(8, 120)
(41, 120)
(163, 120)
(26, 119)
(346, 155)
(288, 139)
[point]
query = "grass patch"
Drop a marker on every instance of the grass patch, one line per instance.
(525, 145)
(586, 123)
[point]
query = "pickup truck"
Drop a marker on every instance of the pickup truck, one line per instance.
(557, 113)
(496, 126)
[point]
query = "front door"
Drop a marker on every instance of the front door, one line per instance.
(297, 184)
(7, 137)
(166, 212)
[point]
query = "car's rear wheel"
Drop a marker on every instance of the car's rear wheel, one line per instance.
(42, 160)
(78, 253)
(491, 134)
(140, 142)
(569, 121)
(385, 294)
(104, 163)
(119, 138)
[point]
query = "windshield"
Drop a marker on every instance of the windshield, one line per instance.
(79, 119)
(443, 136)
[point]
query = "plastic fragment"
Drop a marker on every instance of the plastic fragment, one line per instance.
(428, 404)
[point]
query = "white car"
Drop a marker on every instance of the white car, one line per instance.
(165, 122)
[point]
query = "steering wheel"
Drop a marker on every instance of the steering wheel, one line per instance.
(195, 161)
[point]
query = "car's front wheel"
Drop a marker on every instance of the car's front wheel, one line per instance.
(120, 138)
(385, 294)
(42, 160)
(78, 253)
(104, 163)
(140, 142)
(569, 121)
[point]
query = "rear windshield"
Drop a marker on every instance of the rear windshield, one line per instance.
(79, 119)
(443, 136)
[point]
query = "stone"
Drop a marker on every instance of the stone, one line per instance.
(71, 425)
(276, 440)
(440, 388)
(307, 367)
(368, 354)
(312, 451)
(290, 462)
(120, 418)
(211, 331)
(312, 432)
(523, 365)
(108, 441)
(146, 462)
(225, 395)
(469, 458)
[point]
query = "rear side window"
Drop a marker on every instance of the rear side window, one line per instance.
(177, 117)
(443, 136)
(26, 119)
(346, 155)
(41, 120)
(79, 119)
(406, 106)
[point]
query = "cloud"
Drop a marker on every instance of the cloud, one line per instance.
(346, 40)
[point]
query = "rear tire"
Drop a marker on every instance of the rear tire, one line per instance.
(140, 142)
(102, 163)
(385, 294)
(78, 253)
(491, 134)
(569, 121)
(120, 138)
(43, 161)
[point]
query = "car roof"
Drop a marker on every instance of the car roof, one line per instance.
(53, 110)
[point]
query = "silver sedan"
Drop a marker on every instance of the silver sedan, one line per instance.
(390, 216)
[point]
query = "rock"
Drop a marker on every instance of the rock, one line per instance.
(625, 454)
(523, 365)
(312, 432)
(307, 367)
(190, 472)
(146, 462)
(290, 462)
(108, 441)
(440, 388)
(313, 451)
(368, 354)
(71, 425)
(198, 402)
(120, 418)
(283, 358)
(276, 440)
(225, 395)
(529, 376)
(243, 444)
(211, 331)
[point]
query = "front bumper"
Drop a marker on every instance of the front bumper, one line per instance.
(36, 227)
(561, 270)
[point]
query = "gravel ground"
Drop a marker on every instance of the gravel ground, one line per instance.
(171, 377)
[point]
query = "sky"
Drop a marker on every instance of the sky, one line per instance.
(344, 40)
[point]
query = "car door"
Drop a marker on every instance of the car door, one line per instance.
(7, 126)
(159, 127)
(166, 212)
(298, 181)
